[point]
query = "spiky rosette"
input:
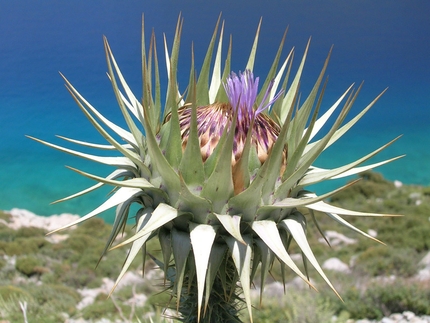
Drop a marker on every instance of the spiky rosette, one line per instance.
(219, 173)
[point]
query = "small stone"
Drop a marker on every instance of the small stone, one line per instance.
(372, 233)
(426, 318)
(336, 238)
(424, 273)
(398, 184)
(336, 264)
(275, 289)
(408, 315)
(387, 320)
(426, 260)
(415, 196)
(138, 300)
(396, 317)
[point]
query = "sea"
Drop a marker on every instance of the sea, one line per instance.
(383, 43)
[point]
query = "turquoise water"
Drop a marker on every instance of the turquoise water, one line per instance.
(385, 44)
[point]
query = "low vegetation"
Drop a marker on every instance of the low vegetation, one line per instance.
(47, 276)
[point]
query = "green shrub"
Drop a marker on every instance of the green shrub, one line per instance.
(50, 303)
(8, 292)
(26, 232)
(81, 242)
(295, 307)
(7, 234)
(5, 216)
(381, 260)
(426, 191)
(94, 227)
(22, 246)
(28, 265)
(382, 300)
(99, 309)
(371, 185)
(406, 232)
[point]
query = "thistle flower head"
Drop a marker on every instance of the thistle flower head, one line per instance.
(219, 174)
(212, 119)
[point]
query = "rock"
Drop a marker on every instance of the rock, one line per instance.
(336, 264)
(408, 315)
(23, 218)
(129, 278)
(275, 289)
(426, 260)
(138, 300)
(396, 317)
(398, 184)
(424, 273)
(416, 198)
(372, 233)
(336, 238)
(387, 320)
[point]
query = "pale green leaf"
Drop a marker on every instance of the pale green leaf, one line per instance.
(289, 98)
(219, 186)
(216, 73)
(92, 145)
(340, 132)
(139, 182)
(266, 260)
(295, 201)
(232, 225)
(165, 239)
(121, 216)
(241, 254)
(126, 152)
(321, 206)
(162, 214)
(316, 175)
(181, 248)
(126, 135)
(251, 59)
(323, 119)
(295, 224)
(111, 161)
(133, 103)
(202, 237)
(137, 245)
(130, 123)
(202, 93)
(120, 196)
(268, 232)
(339, 219)
(115, 174)
(160, 164)
(272, 72)
(215, 260)
(279, 76)
(191, 203)
(191, 167)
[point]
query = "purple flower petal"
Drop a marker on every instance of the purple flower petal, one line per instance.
(242, 93)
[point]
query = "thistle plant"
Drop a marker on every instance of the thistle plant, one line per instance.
(219, 172)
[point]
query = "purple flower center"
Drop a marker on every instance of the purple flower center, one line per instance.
(242, 93)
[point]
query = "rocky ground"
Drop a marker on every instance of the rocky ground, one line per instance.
(275, 290)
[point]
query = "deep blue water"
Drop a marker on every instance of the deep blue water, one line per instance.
(384, 43)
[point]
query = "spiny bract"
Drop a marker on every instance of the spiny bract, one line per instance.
(219, 172)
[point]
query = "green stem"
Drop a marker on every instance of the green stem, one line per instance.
(224, 302)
